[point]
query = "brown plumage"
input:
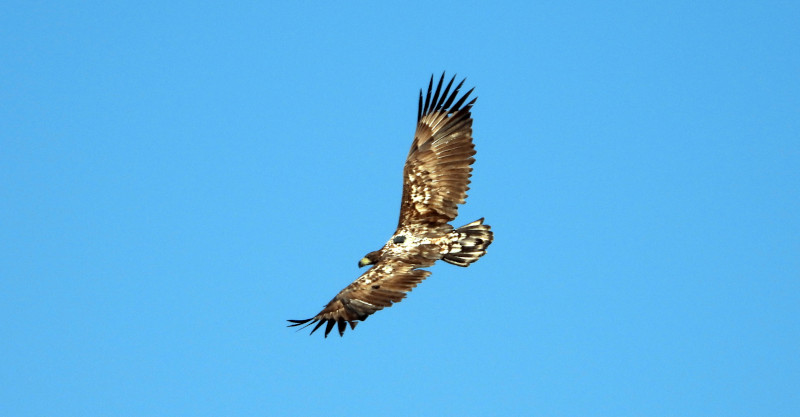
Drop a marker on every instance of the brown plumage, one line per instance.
(435, 182)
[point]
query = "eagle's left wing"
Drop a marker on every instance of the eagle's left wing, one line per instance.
(381, 286)
(437, 170)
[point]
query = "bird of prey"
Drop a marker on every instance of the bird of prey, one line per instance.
(435, 182)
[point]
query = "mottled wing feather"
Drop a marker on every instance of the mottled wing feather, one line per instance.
(384, 284)
(437, 170)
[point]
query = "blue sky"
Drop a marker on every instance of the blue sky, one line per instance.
(180, 179)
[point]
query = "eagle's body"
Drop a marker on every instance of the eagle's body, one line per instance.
(435, 182)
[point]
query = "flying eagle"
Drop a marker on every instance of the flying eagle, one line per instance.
(435, 182)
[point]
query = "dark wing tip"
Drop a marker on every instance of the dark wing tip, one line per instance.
(439, 100)
(426, 107)
(341, 325)
(296, 323)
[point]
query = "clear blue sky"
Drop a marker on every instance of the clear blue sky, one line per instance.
(177, 180)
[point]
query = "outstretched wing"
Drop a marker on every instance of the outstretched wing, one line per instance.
(437, 170)
(381, 286)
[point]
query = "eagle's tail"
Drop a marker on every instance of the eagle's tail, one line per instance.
(473, 239)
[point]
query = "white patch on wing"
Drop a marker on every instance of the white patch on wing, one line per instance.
(363, 303)
(368, 278)
(419, 195)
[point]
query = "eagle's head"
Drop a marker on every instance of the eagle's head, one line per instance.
(369, 259)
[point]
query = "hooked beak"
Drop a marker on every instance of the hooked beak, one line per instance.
(364, 262)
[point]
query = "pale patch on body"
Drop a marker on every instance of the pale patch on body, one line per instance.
(446, 244)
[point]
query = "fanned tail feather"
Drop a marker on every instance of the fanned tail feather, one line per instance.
(473, 240)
